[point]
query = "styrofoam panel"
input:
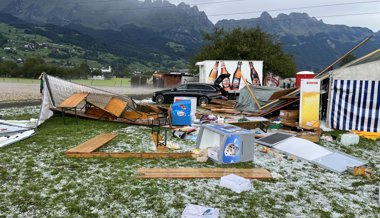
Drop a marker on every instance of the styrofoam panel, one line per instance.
(302, 148)
(338, 162)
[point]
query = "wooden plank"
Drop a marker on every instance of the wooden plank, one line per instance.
(277, 107)
(227, 111)
(226, 103)
(289, 97)
(251, 124)
(92, 144)
(281, 93)
(191, 173)
(215, 106)
(115, 106)
(145, 155)
(74, 100)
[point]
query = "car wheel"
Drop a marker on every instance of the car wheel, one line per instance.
(160, 99)
(203, 100)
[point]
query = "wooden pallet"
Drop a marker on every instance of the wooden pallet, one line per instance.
(194, 173)
(92, 144)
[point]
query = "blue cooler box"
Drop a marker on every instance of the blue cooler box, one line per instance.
(181, 113)
(226, 143)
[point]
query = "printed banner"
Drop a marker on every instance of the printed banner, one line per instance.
(309, 103)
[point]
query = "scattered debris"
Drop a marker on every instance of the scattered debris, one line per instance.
(360, 171)
(368, 135)
(196, 211)
(236, 183)
(349, 139)
(201, 155)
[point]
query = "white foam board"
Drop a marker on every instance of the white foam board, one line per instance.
(302, 148)
(236, 183)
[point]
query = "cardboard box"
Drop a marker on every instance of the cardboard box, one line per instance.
(236, 183)
(289, 114)
(197, 211)
(290, 123)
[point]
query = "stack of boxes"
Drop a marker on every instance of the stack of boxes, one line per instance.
(289, 117)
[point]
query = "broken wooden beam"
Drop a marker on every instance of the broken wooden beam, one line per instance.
(145, 155)
(225, 103)
(198, 173)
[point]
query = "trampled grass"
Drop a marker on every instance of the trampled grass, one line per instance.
(37, 180)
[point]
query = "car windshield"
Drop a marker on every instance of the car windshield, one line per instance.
(181, 87)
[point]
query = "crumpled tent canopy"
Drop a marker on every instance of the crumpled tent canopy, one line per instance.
(56, 90)
(262, 93)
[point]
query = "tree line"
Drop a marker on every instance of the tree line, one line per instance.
(34, 66)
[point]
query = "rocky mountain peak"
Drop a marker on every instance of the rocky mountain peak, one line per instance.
(265, 16)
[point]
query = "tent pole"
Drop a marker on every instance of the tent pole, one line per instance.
(251, 93)
(320, 74)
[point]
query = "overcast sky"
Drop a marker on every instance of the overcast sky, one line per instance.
(348, 12)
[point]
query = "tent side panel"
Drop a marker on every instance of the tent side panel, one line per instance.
(355, 105)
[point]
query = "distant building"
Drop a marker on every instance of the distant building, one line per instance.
(138, 79)
(172, 79)
(107, 72)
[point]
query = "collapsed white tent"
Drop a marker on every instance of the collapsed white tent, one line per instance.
(354, 97)
(56, 90)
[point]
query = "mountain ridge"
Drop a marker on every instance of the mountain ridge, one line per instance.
(161, 28)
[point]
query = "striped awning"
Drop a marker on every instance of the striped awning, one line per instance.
(355, 105)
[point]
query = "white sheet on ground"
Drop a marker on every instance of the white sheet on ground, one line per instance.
(338, 162)
(302, 148)
(7, 140)
(6, 129)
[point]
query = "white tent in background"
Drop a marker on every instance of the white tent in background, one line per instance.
(354, 100)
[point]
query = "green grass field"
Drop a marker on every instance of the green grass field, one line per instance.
(114, 82)
(37, 180)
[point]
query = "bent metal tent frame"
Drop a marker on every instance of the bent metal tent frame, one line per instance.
(96, 103)
(354, 97)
